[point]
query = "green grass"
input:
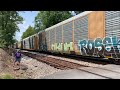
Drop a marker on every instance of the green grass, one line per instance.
(7, 76)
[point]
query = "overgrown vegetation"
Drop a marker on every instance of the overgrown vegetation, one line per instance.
(8, 27)
(30, 31)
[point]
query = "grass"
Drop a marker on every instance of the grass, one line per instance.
(7, 76)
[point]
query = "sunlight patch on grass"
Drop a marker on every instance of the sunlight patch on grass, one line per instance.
(6, 76)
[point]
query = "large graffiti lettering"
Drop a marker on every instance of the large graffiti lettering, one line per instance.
(61, 46)
(109, 46)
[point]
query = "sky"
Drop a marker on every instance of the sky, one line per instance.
(28, 17)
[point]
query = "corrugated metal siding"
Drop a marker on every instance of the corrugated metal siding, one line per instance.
(80, 29)
(112, 23)
(59, 34)
(40, 40)
(23, 44)
(37, 44)
(52, 36)
(44, 40)
(67, 32)
(47, 39)
(31, 43)
(27, 44)
(113, 28)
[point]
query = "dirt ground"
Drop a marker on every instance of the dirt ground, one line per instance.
(6, 65)
(30, 68)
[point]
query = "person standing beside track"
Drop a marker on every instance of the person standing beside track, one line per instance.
(17, 58)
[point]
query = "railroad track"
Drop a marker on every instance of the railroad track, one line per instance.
(57, 63)
(90, 59)
(63, 64)
(95, 60)
(66, 65)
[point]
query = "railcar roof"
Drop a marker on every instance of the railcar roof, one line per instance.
(70, 19)
(63, 22)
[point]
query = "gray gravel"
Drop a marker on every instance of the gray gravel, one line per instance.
(37, 69)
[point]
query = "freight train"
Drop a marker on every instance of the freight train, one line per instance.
(90, 33)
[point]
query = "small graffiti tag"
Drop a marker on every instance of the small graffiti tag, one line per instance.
(61, 46)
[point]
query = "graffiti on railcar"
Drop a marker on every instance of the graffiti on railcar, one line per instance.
(57, 46)
(43, 47)
(61, 46)
(109, 46)
(68, 46)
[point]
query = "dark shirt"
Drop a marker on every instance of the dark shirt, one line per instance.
(17, 53)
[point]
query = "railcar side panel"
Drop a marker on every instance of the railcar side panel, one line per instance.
(112, 28)
(21, 44)
(48, 40)
(96, 25)
(26, 44)
(37, 44)
(68, 37)
(80, 33)
(57, 46)
(52, 39)
(42, 41)
(30, 41)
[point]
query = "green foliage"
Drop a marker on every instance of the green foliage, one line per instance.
(45, 19)
(8, 27)
(30, 31)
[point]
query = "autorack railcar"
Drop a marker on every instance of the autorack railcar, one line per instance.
(91, 33)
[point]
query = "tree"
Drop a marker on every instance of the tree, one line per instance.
(29, 31)
(38, 23)
(45, 19)
(8, 26)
